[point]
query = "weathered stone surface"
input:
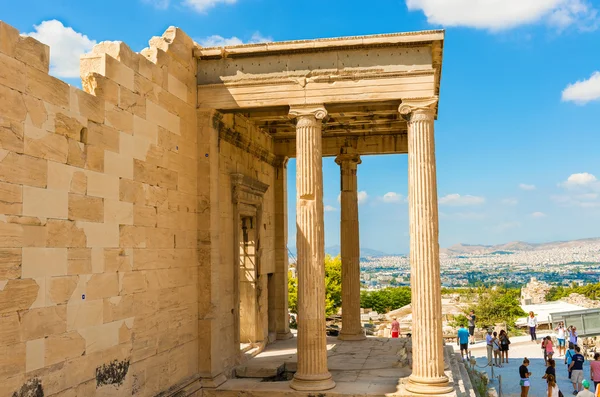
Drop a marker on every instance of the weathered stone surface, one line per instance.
(42, 322)
(45, 203)
(103, 285)
(10, 332)
(102, 136)
(11, 198)
(118, 212)
(65, 234)
(10, 263)
(47, 88)
(45, 145)
(22, 169)
(59, 348)
(84, 314)
(12, 105)
(18, 295)
(11, 135)
(119, 119)
(89, 106)
(42, 262)
(60, 289)
(12, 360)
(86, 208)
(11, 235)
(69, 127)
(79, 261)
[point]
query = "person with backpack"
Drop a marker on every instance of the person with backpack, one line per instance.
(504, 342)
(569, 357)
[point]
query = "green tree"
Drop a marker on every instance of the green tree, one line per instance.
(384, 300)
(333, 287)
(497, 305)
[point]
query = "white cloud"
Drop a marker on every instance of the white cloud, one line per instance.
(66, 46)
(362, 197)
(392, 197)
(583, 91)
(524, 186)
(329, 208)
(203, 5)
(580, 179)
(220, 41)
(458, 200)
(498, 15)
(510, 201)
(538, 215)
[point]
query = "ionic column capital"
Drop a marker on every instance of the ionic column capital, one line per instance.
(347, 156)
(418, 109)
(307, 115)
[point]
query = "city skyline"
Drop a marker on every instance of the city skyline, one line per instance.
(517, 132)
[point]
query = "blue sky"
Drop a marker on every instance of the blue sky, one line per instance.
(518, 134)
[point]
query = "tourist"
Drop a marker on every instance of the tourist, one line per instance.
(488, 342)
(496, 348)
(549, 349)
(551, 370)
(576, 368)
(569, 357)
(532, 323)
(463, 341)
(395, 328)
(585, 392)
(573, 335)
(504, 342)
(471, 318)
(552, 386)
(560, 337)
(595, 371)
(524, 374)
(544, 351)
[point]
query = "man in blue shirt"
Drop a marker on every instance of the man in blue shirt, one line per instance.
(463, 341)
(576, 369)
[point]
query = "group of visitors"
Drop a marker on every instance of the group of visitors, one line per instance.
(497, 345)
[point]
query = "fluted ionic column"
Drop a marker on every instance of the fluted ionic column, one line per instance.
(348, 161)
(428, 359)
(312, 373)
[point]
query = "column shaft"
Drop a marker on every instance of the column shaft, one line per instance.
(428, 360)
(312, 373)
(350, 246)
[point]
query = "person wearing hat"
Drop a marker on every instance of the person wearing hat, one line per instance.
(586, 389)
(490, 347)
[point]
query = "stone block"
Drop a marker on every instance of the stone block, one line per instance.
(103, 285)
(33, 53)
(59, 348)
(177, 88)
(100, 234)
(118, 212)
(117, 308)
(22, 169)
(168, 140)
(69, 127)
(132, 102)
(160, 238)
(102, 185)
(77, 155)
(79, 183)
(11, 235)
(144, 215)
(18, 295)
(9, 38)
(101, 87)
(94, 158)
(10, 332)
(145, 172)
(47, 88)
(118, 260)
(101, 337)
(156, 196)
(98, 260)
(89, 106)
(12, 73)
(12, 360)
(45, 145)
(145, 129)
(12, 135)
(86, 208)
(45, 203)
(132, 282)
(119, 119)
(159, 116)
(118, 165)
(43, 262)
(102, 136)
(60, 290)
(11, 199)
(35, 236)
(119, 73)
(42, 322)
(65, 234)
(166, 178)
(131, 191)
(10, 263)
(37, 114)
(79, 261)
(83, 314)
(12, 104)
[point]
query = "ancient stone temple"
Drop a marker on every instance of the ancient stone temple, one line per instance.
(143, 219)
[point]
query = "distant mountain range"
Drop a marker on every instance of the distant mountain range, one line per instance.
(512, 246)
(516, 246)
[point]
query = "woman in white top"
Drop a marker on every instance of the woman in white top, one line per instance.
(552, 386)
(532, 323)
(561, 336)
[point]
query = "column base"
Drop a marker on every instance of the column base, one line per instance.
(355, 336)
(312, 382)
(213, 382)
(284, 335)
(429, 386)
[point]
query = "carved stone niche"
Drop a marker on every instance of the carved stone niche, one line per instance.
(247, 197)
